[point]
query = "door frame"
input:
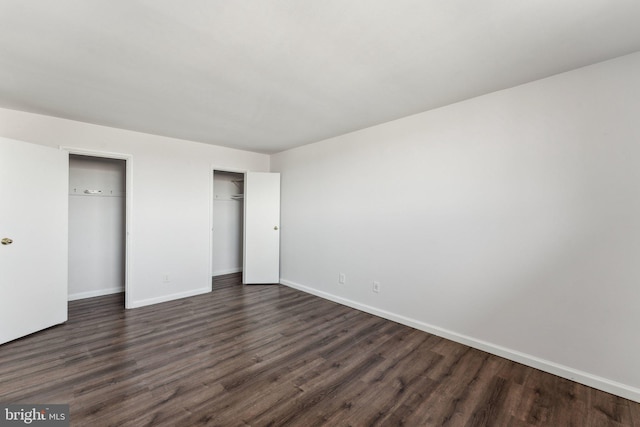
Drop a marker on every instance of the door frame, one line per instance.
(128, 158)
(212, 198)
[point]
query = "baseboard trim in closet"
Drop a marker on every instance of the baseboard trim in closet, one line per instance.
(92, 294)
(227, 271)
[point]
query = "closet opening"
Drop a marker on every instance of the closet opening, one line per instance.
(97, 227)
(227, 226)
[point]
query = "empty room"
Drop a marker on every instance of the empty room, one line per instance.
(335, 213)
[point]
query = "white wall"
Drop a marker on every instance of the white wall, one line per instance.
(510, 222)
(96, 227)
(227, 223)
(170, 222)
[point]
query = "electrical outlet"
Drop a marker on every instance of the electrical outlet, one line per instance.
(165, 278)
(342, 279)
(376, 287)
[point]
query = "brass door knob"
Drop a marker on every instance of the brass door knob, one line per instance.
(275, 228)
(7, 241)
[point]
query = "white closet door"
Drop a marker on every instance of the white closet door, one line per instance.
(33, 214)
(261, 228)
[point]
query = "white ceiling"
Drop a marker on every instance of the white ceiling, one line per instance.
(267, 75)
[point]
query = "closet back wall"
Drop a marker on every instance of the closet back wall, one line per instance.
(96, 226)
(228, 207)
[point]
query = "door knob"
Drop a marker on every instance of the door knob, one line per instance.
(275, 228)
(7, 241)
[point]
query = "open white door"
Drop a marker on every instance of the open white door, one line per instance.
(33, 226)
(261, 261)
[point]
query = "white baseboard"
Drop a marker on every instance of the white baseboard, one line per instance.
(91, 294)
(165, 298)
(227, 271)
(604, 384)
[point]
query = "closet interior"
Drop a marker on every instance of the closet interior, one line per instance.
(97, 226)
(228, 220)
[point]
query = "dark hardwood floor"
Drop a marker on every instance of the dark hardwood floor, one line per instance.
(271, 355)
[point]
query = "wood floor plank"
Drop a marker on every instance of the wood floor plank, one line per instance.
(269, 355)
(608, 410)
(635, 415)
